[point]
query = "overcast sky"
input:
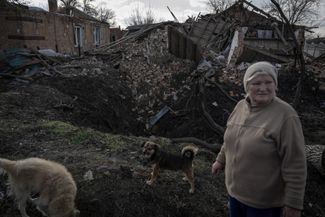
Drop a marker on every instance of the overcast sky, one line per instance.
(181, 8)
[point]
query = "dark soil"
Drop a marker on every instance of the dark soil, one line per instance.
(87, 124)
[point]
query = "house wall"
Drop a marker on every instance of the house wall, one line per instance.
(267, 44)
(44, 30)
(182, 46)
(237, 46)
(256, 48)
(116, 34)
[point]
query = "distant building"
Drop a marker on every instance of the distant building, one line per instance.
(68, 31)
(116, 34)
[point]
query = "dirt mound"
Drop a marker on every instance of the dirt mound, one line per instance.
(101, 102)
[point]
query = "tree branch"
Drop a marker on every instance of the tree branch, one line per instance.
(299, 54)
(214, 126)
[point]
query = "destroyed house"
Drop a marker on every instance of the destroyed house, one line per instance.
(242, 32)
(68, 31)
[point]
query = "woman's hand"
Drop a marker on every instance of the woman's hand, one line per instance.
(216, 168)
(291, 212)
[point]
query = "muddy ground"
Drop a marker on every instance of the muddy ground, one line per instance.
(86, 123)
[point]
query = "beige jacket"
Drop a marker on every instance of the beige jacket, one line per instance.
(264, 155)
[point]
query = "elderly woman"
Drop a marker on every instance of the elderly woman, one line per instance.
(263, 151)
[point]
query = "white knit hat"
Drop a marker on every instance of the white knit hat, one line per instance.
(260, 68)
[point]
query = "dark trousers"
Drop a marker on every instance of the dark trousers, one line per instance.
(238, 209)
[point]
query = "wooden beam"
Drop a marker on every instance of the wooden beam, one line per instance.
(259, 10)
(284, 60)
(175, 18)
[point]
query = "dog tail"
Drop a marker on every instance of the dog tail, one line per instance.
(189, 151)
(7, 165)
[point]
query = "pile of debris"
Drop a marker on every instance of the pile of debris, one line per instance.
(146, 73)
(24, 64)
(155, 77)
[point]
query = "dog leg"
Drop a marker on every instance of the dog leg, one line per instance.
(190, 177)
(41, 210)
(21, 197)
(21, 200)
(41, 205)
(154, 175)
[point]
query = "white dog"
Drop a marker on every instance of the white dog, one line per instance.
(50, 182)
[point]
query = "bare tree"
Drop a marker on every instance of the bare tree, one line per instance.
(299, 54)
(137, 18)
(218, 6)
(149, 18)
(88, 8)
(297, 11)
(70, 3)
(106, 15)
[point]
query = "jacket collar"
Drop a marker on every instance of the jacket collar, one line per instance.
(256, 108)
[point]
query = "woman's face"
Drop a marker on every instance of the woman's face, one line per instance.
(261, 90)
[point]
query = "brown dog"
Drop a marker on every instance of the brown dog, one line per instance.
(50, 182)
(163, 160)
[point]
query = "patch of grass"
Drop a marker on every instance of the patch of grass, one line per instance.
(115, 142)
(59, 127)
(81, 136)
(75, 135)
